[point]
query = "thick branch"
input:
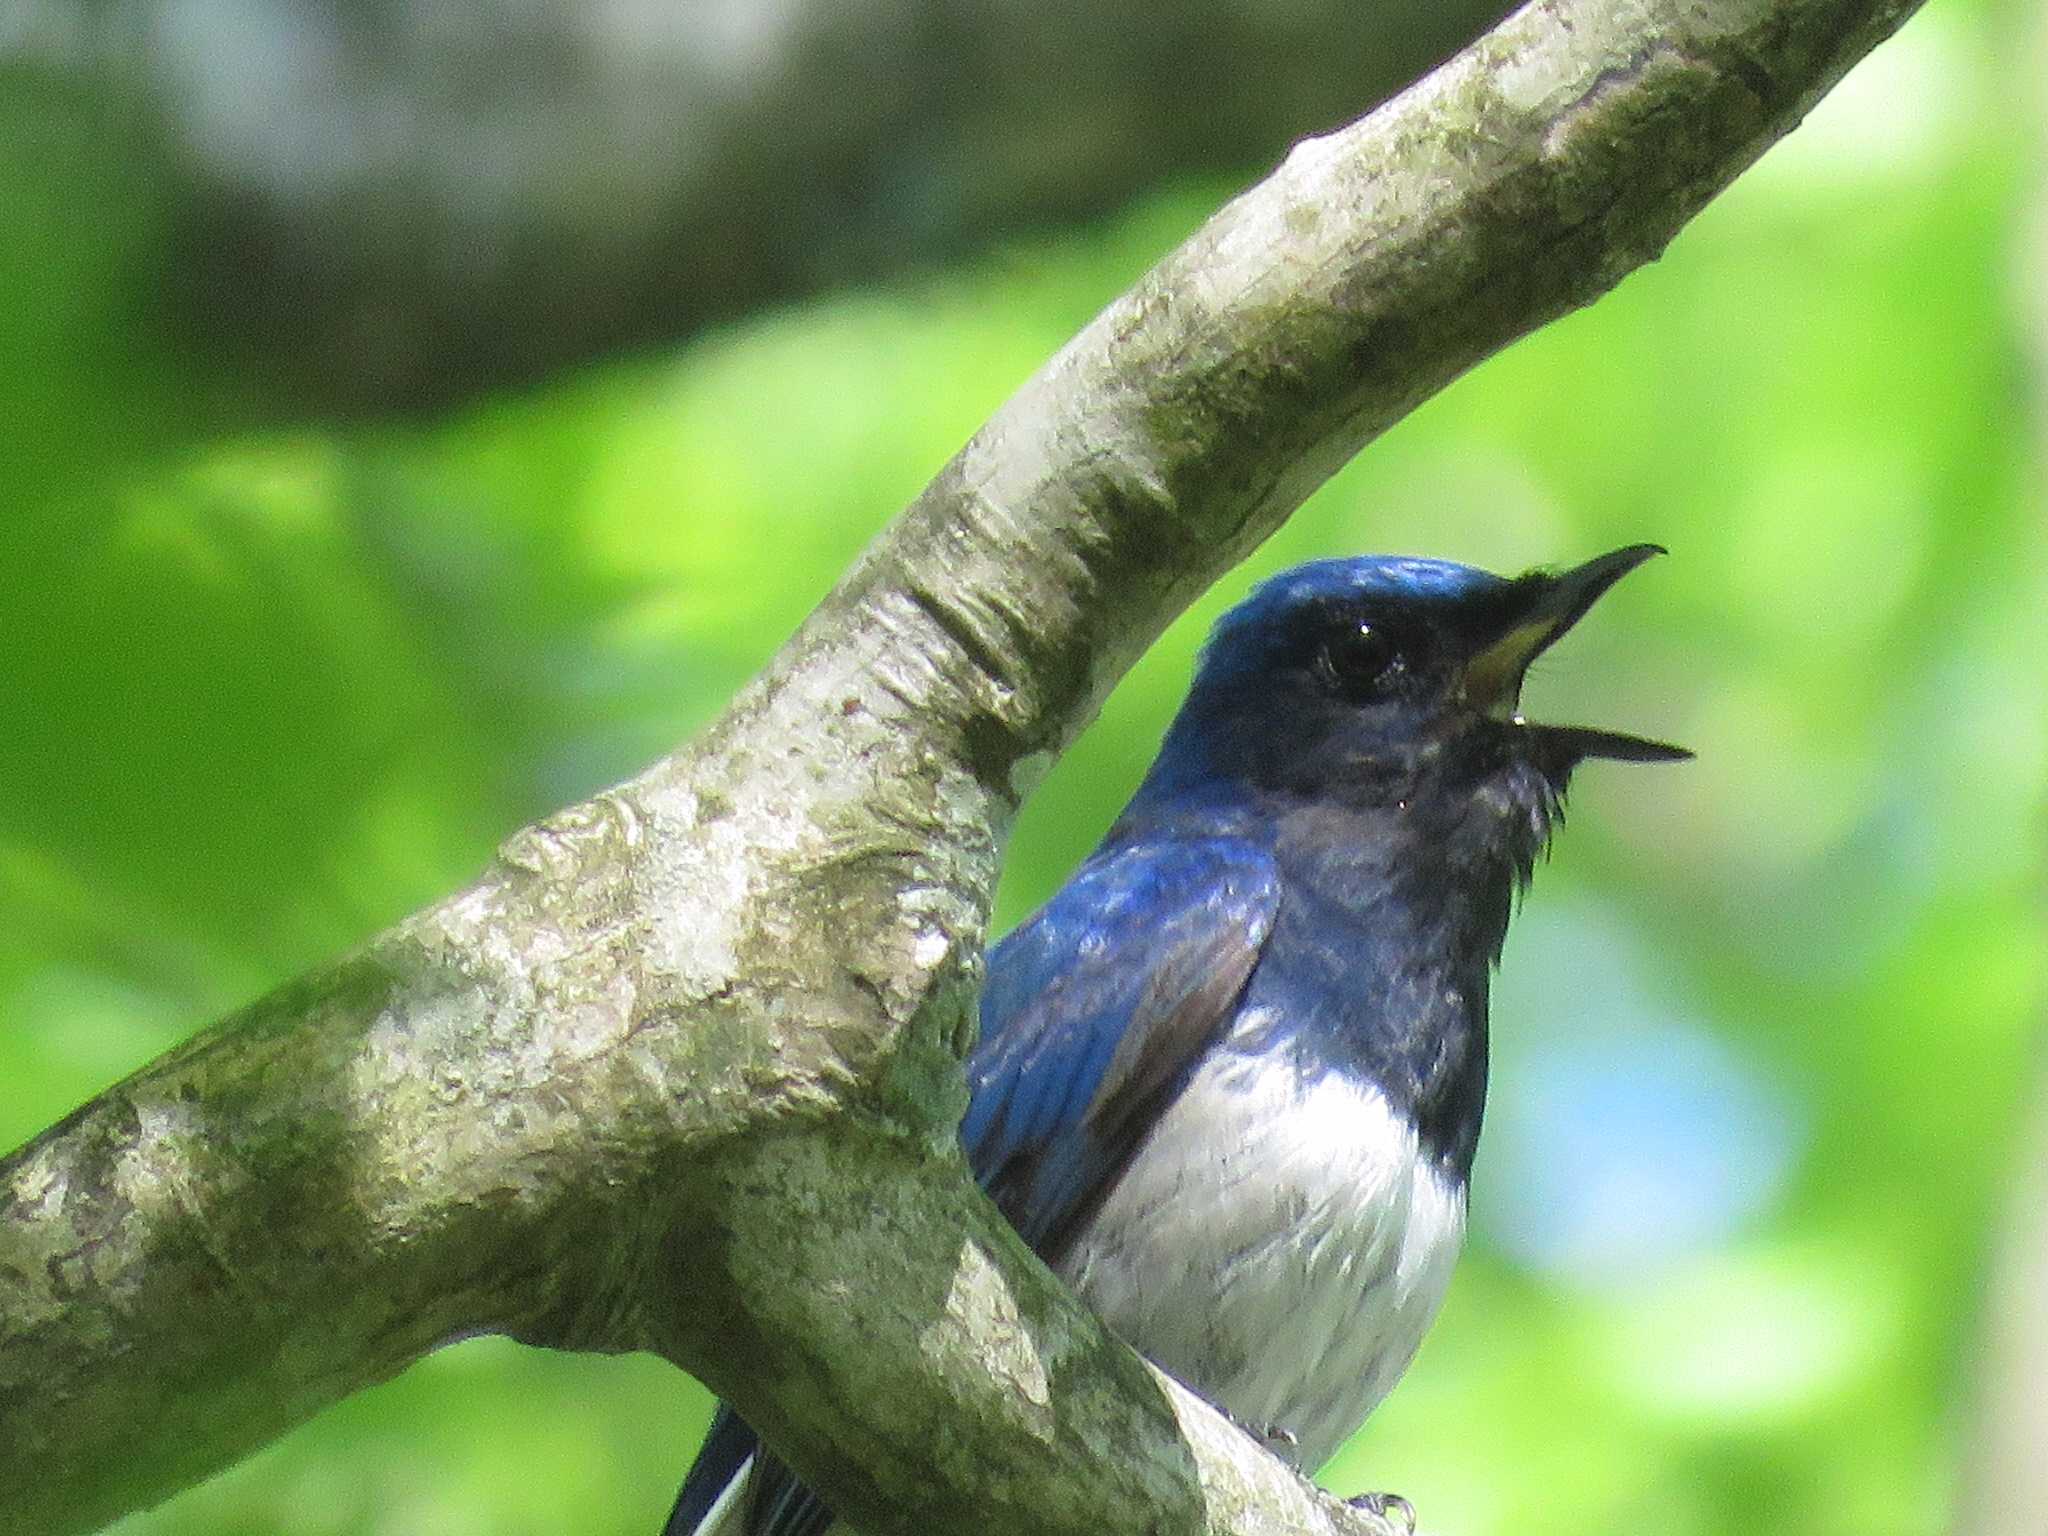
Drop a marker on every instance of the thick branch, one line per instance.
(385, 207)
(679, 1072)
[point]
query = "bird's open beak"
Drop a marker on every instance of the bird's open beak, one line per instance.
(1543, 611)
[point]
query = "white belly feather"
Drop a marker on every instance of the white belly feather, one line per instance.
(1278, 1245)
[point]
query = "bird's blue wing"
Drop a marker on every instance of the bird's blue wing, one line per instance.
(1095, 1011)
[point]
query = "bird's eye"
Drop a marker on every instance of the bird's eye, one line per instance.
(1355, 659)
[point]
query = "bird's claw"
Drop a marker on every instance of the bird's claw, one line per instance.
(1388, 1506)
(1277, 1435)
(1276, 1438)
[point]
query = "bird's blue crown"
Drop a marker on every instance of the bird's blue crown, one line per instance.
(1242, 635)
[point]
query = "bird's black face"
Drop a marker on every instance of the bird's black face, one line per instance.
(1381, 681)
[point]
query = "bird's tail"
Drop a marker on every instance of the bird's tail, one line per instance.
(726, 1515)
(738, 1487)
(713, 1499)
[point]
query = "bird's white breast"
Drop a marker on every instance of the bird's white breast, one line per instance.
(1280, 1244)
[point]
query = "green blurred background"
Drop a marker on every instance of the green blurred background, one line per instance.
(1766, 1026)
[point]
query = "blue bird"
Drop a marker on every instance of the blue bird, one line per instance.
(1230, 1077)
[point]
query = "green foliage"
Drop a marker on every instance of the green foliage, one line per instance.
(267, 695)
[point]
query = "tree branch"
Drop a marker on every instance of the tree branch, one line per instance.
(450, 201)
(680, 1071)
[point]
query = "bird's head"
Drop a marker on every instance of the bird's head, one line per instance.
(1382, 681)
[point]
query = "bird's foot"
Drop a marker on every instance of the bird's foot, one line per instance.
(1277, 1437)
(1388, 1506)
